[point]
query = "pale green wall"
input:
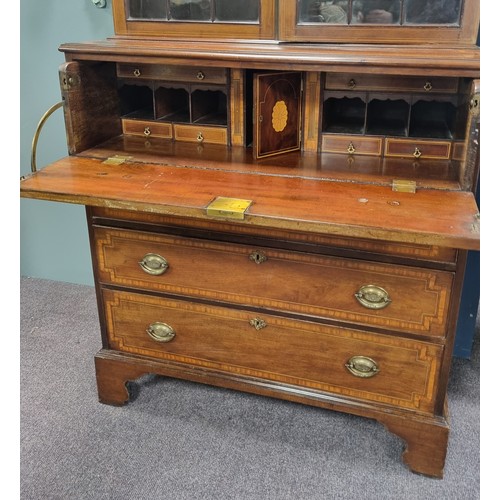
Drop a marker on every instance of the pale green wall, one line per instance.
(53, 236)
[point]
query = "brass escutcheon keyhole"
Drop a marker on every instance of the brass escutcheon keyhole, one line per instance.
(258, 323)
(257, 257)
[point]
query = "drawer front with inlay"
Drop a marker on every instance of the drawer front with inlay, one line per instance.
(352, 144)
(200, 135)
(408, 148)
(356, 364)
(146, 128)
(172, 73)
(348, 81)
(392, 297)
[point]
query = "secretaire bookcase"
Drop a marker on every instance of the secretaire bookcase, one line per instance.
(279, 198)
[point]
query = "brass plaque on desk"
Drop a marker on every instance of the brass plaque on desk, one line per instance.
(278, 98)
(228, 208)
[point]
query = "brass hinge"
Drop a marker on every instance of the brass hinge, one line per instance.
(69, 82)
(474, 104)
(474, 227)
(404, 186)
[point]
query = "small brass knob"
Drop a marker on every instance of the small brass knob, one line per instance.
(352, 83)
(147, 131)
(351, 149)
(154, 264)
(200, 75)
(428, 86)
(417, 153)
(161, 332)
(200, 137)
(362, 366)
(137, 72)
(373, 297)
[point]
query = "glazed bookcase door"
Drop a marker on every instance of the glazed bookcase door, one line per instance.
(380, 21)
(196, 19)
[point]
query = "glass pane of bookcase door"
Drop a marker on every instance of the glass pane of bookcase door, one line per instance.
(350, 11)
(432, 11)
(147, 9)
(237, 10)
(375, 11)
(331, 12)
(190, 10)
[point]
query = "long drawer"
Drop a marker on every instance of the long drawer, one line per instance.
(399, 298)
(348, 81)
(352, 363)
(172, 73)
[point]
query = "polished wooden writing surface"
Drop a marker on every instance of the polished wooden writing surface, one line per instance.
(317, 205)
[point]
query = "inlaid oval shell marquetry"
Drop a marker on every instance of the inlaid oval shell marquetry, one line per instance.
(280, 116)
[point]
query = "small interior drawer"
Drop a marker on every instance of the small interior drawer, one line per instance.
(354, 144)
(411, 148)
(172, 73)
(349, 81)
(200, 134)
(146, 128)
(353, 363)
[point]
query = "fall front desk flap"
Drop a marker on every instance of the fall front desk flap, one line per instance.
(445, 218)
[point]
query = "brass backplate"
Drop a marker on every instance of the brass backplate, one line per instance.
(228, 208)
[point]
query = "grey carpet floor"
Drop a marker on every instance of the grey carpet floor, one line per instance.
(179, 440)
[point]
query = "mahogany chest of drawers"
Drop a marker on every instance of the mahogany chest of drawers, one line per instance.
(286, 219)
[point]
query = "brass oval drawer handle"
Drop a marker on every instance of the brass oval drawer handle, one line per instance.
(352, 83)
(351, 149)
(137, 72)
(373, 297)
(154, 264)
(147, 131)
(200, 75)
(258, 323)
(257, 257)
(428, 86)
(362, 366)
(417, 153)
(200, 137)
(161, 332)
